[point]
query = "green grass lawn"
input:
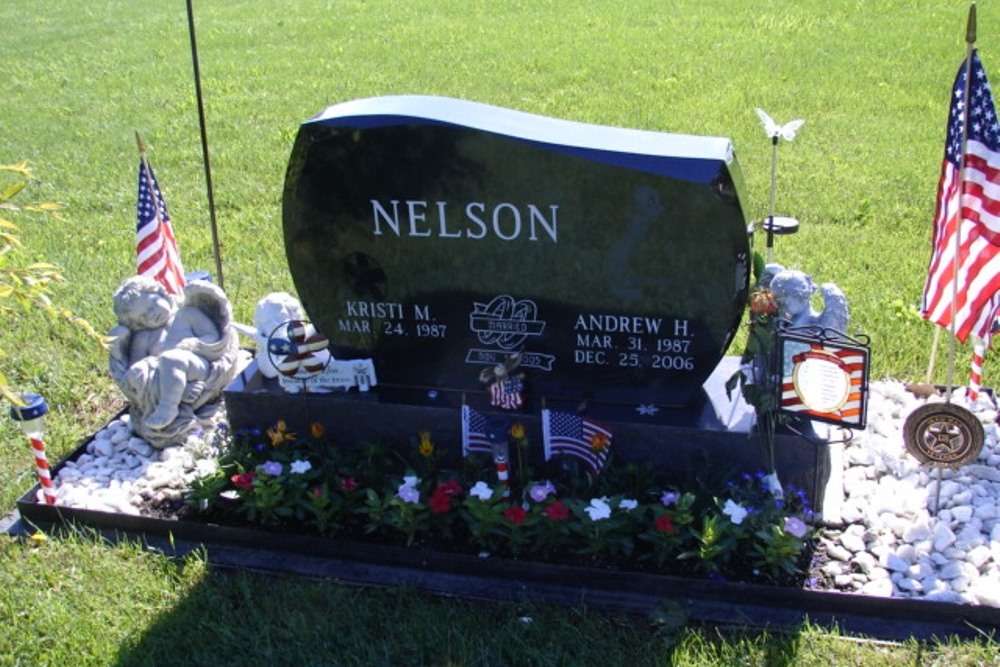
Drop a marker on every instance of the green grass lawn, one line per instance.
(872, 80)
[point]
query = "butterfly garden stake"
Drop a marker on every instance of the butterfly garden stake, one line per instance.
(774, 133)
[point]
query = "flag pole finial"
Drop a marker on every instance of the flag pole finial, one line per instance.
(970, 28)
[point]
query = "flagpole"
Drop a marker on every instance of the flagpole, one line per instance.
(774, 180)
(970, 42)
(204, 149)
(145, 164)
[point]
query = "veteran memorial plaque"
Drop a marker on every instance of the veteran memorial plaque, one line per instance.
(441, 237)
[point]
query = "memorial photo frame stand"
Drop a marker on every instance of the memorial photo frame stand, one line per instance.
(824, 375)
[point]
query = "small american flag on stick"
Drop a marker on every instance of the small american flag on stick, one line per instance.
(564, 433)
(475, 432)
(156, 247)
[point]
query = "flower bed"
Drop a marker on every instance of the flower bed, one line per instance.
(444, 557)
(625, 518)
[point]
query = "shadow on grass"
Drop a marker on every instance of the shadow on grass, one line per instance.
(239, 617)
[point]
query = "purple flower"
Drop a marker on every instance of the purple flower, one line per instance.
(540, 492)
(272, 468)
(795, 527)
(669, 498)
(408, 494)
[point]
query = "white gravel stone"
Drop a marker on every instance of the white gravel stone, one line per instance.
(838, 552)
(103, 448)
(943, 537)
(881, 588)
(894, 563)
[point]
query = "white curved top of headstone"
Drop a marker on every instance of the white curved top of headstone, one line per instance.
(532, 127)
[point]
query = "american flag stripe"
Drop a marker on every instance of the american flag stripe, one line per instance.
(157, 255)
(968, 205)
(976, 369)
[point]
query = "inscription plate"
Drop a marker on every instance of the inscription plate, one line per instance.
(440, 236)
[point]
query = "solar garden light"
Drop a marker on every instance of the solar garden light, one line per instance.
(31, 417)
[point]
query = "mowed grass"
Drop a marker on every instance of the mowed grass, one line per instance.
(872, 80)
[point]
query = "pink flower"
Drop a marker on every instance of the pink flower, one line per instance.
(450, 488)
(440, 500)
(557, 511)
(515, 514)
(664, 523)
(243, 481)
(348, 483)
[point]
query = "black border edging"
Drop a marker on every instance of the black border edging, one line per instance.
(493, 579)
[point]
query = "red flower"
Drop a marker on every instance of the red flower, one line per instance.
(664, 524)
(451, 488)
(318, 492)
(557, 511)
(762, 302)
(440, 500)
(243, 481)
(348, 483)
(515, 514)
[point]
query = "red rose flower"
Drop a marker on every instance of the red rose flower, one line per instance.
(244, 480)
(762, 302)
(664, 524)
(557, 511)
(515, 514)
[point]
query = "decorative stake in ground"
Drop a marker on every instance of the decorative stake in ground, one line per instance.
(30, 415)
(500, 460)
(775, 132)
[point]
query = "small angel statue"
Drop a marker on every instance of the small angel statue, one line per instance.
(172, 360)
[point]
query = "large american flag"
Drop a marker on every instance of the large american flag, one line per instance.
(564, 433)
(475, 432)
(968, 204)
(156, 248)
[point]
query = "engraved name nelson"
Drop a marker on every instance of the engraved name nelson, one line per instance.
(475, 220)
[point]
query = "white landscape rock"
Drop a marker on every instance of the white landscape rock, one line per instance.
(939, 546)
(120, 472)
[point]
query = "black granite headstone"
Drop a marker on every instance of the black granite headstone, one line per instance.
(439, 236)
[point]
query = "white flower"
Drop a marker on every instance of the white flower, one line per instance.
(299, 467)
(206, 467)
(598, 509)
(481, 490)
(734, 511)
(628, 504)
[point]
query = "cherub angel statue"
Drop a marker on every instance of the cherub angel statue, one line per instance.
(172, 360)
